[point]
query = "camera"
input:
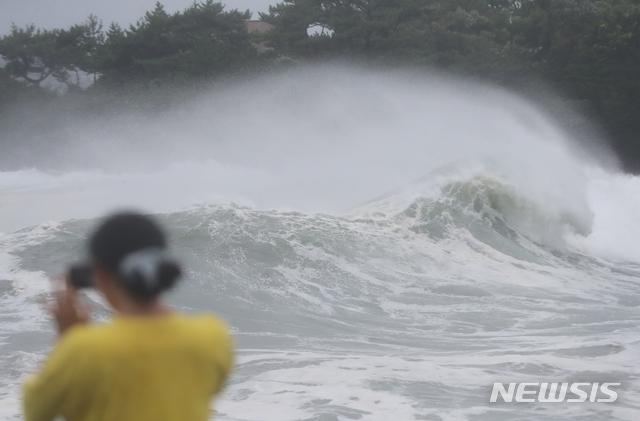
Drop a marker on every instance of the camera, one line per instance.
(81, 275)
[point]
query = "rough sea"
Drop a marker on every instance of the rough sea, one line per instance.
(384, 245)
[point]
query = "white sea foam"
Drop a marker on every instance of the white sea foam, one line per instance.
(615, 202)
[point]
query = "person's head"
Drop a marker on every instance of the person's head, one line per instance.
(131, 260)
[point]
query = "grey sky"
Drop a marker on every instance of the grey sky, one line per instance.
(52, 14)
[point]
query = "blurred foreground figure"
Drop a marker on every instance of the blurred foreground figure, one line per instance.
(148, 363)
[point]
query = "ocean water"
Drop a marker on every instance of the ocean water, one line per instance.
(384, 245)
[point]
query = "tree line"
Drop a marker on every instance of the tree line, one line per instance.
(588, 51)
(202, 41)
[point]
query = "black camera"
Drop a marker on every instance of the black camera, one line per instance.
(81, 275)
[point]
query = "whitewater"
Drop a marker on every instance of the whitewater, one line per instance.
(385, 245)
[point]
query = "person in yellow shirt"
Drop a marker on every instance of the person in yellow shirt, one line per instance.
(149, 363)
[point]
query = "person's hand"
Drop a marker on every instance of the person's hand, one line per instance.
(66, 308)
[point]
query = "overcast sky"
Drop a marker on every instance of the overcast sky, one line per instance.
(51, 14)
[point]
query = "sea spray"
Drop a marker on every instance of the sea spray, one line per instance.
(313, 140)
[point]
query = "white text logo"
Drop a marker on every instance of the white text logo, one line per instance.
(554, 392)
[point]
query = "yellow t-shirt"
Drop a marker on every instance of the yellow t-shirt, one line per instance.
(133, 369)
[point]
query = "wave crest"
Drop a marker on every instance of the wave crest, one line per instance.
(492, 210)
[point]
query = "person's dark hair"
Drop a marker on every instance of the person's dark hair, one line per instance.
(133, 247)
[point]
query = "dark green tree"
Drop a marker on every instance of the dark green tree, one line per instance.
(91, 47)
(589, 51)
(472, 37)
(202, 41)
(31, 54)
(367, 28)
